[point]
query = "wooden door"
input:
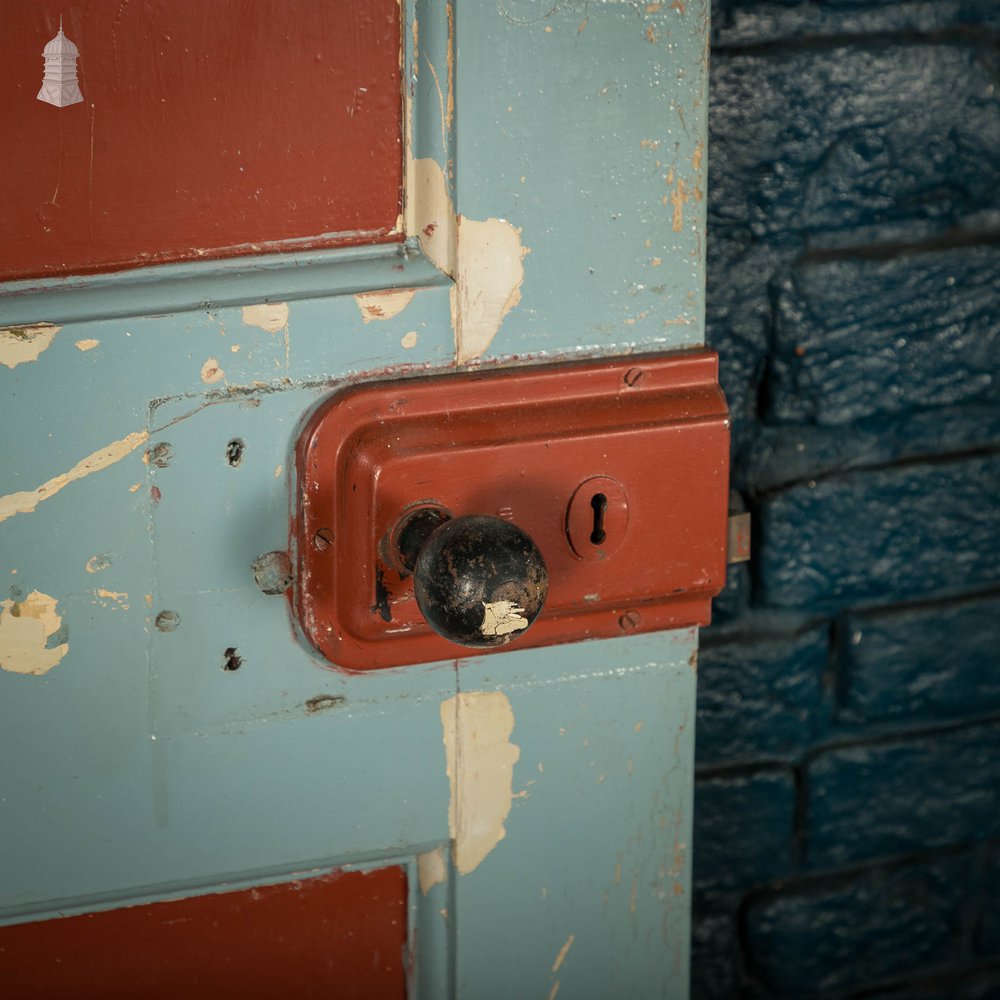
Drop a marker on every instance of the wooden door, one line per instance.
(517, 824)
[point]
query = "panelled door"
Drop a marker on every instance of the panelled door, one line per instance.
(214, 216)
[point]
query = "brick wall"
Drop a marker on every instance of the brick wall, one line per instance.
(847, 828)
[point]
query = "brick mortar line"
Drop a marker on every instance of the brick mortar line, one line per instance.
(970, 36)
(883, 737)
(939, 458)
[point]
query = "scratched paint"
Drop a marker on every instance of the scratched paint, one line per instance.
(27, 629)
(26, 501)
(269, 316)
(383, 305)
(563, 952)
(19, 344)
(480, 762)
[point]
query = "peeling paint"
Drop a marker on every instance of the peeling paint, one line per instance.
(563, 952)
(432, 869)
(409, 339)
(502, 618)
(86, 345)
(19, 344)
(487, 282)
(269, 316)
(26, 628)
(480, 766)
(97, 563)
(26, 501)
(211, 372)
(429, 212)
(383, 305)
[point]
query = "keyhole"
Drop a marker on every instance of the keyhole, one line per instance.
(600, 504)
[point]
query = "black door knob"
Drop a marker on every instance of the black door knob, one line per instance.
(479, 581)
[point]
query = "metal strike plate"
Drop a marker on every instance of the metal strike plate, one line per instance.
(618, 469)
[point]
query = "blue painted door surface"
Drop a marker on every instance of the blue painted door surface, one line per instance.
(540, 800)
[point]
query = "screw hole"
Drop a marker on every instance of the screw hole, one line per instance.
(167, 621)
(232, 659)
(234, 451)
(600, 504)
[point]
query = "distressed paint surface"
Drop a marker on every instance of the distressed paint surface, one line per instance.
(480, 767)
(26, 501)
(19, 344)
(26, 631)
(595, 812)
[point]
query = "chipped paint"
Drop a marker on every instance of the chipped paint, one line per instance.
(26, 501)
(563, 952)
(409, 339)
(112, 598)
(19, 344)
(429, 212)
(383, 305)
(432, 869)
(26, 629)
(86, 345)
(211, 372)
(502, 618)
(269, 316)
(681, 193)
(480, 766)
(97, 563)
(487, 282)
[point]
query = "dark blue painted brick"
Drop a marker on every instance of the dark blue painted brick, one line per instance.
(715, 958)
(742, 829)
(777, 456)
(903, 795)
(988, 932)
(961, 983)
(881, 535)
(859, 337)
(738, 315)
(848, 144)
(922, 663)
(761, 698)
(819, 938)
(740, 22)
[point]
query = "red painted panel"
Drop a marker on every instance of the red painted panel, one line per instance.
(205, 130)
(338, 935)
(649, 433)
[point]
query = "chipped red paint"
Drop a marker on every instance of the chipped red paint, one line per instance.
(337, 935)
(206, 130)
(516, 443)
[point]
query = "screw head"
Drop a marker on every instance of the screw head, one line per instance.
(629, 621)
(323, 539)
